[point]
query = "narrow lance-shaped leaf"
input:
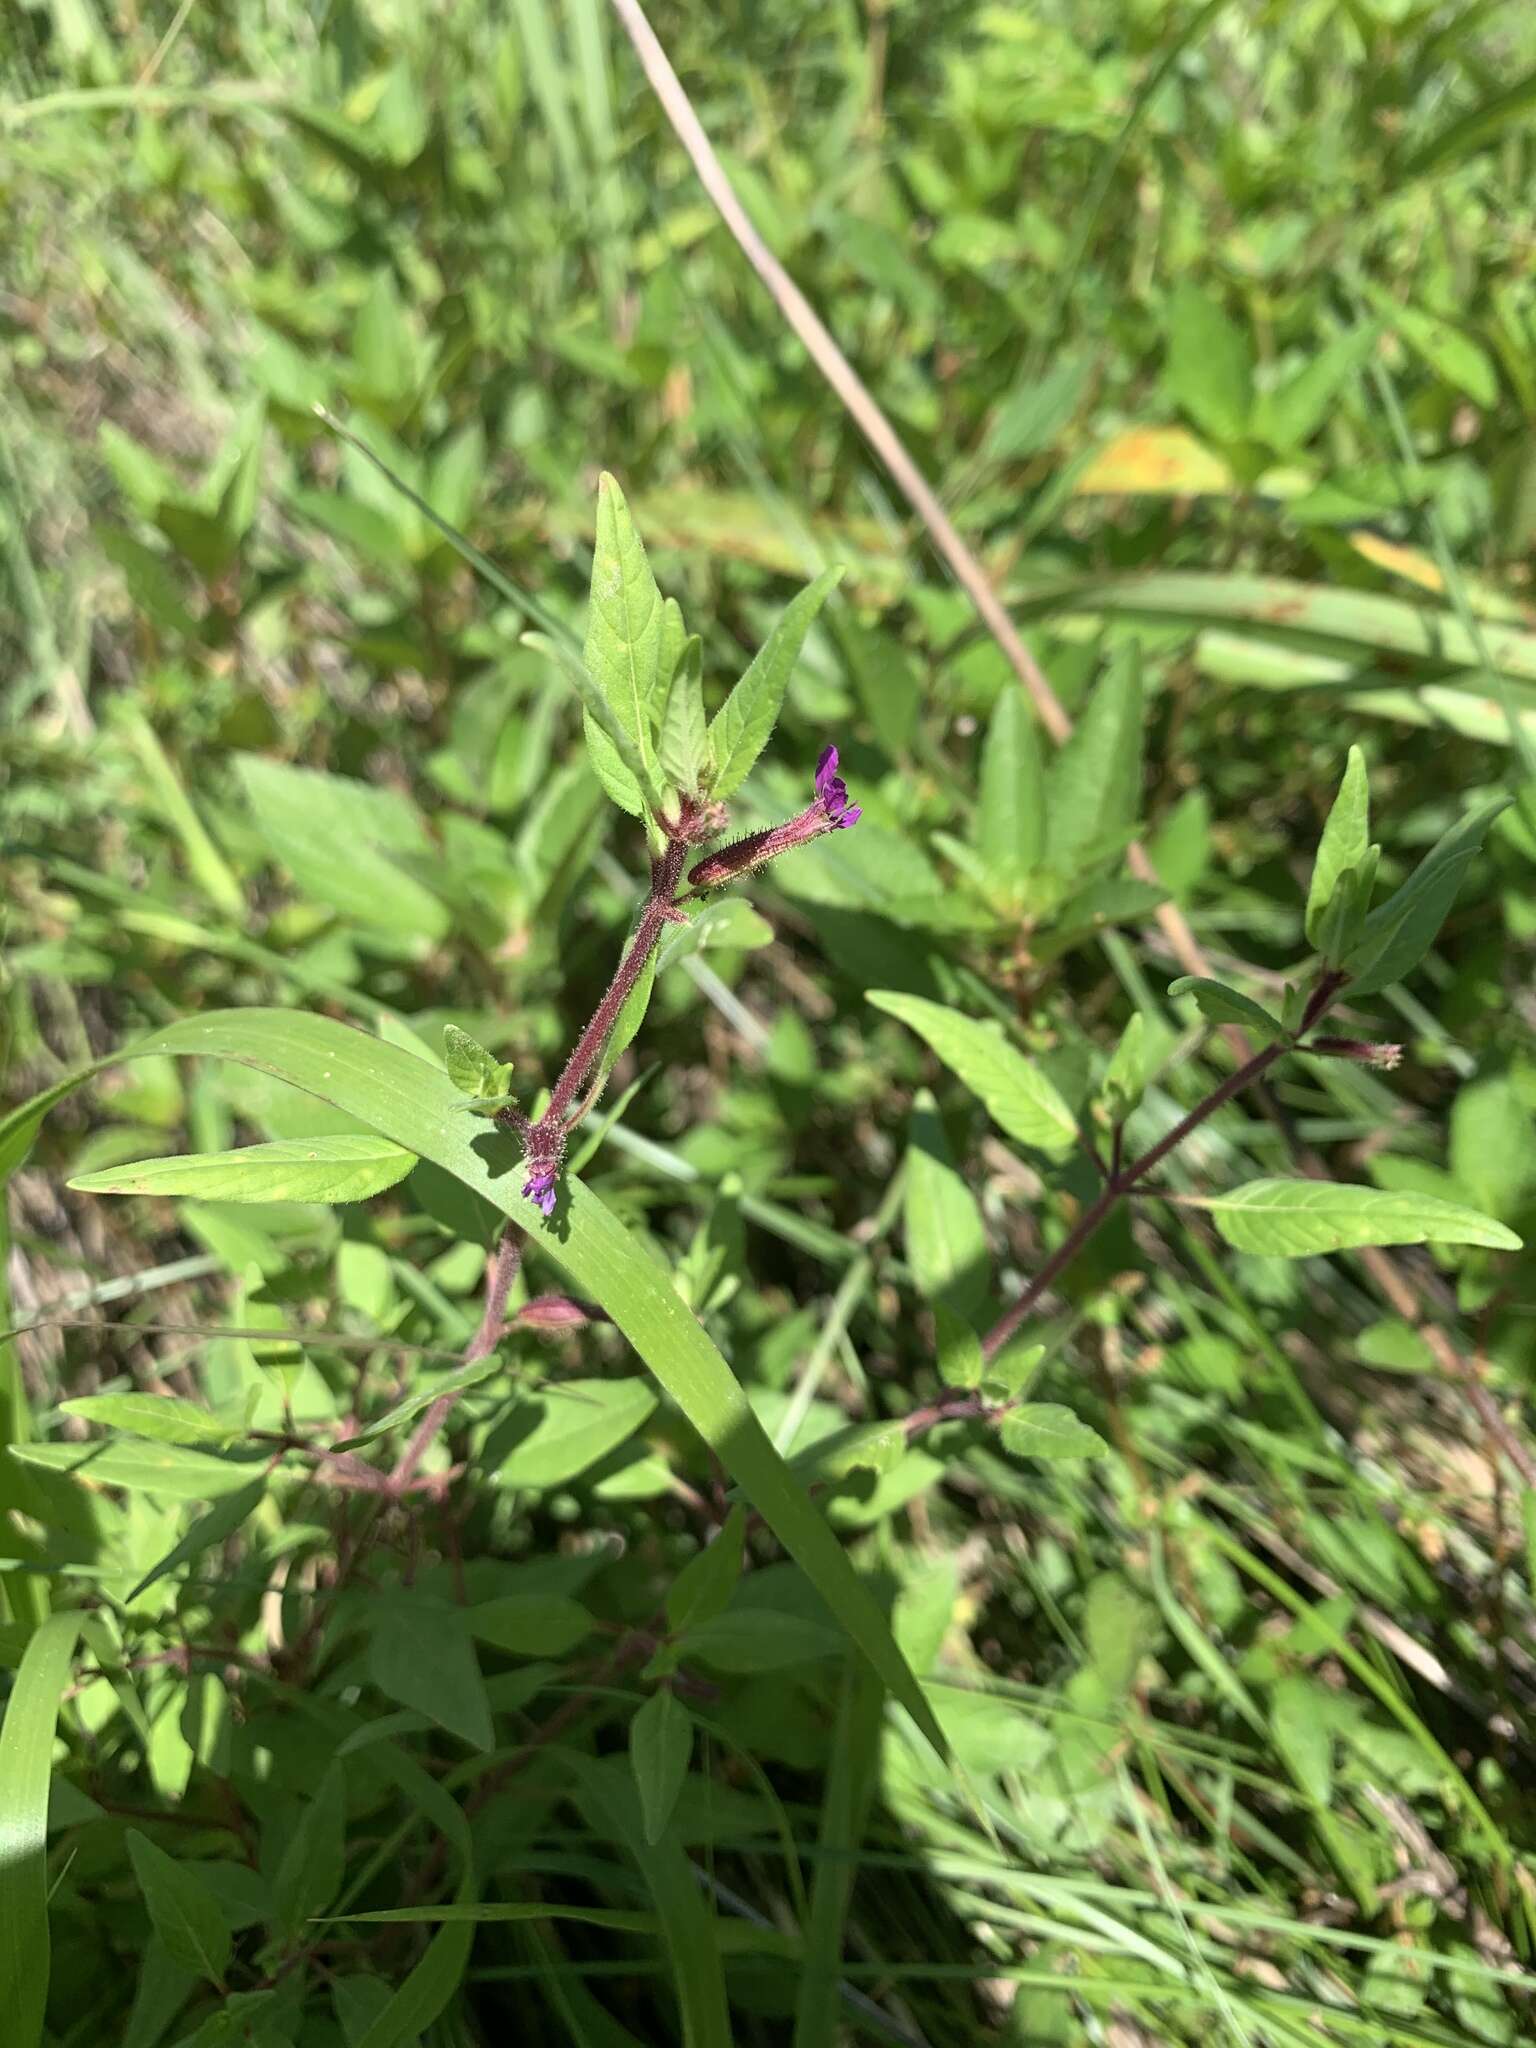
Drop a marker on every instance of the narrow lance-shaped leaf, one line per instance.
(26, 1754)
(946, 1239)
(1125, 1078)
(624, 625)
(615, 755)
(1010, 808)
(344, 1167)
(1094, 789)
(1017, 1094)
(1223, 1005)
(1294, 1219)
(414, 1104)
(683, 745)
(185, 1913)
(660, 1745)
(1399, 932)
(740, 728)
(1345, 838)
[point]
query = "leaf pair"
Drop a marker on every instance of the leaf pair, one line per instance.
(642, 686)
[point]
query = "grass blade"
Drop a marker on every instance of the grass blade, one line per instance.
(26, 1754)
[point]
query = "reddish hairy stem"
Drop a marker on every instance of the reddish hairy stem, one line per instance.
(665, 875)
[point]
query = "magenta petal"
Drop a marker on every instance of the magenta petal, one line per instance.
(849, 817)
(826, 767)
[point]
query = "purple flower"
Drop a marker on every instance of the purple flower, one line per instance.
(832, 793)
(539, 1187)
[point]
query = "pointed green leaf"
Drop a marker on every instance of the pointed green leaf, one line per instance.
(960, 1359)
(740, 728)
(674, 637)
(623, 747)
(1345, 839)
(470, 1067)
(173, 1470)
(1210, 363)
(1017, 1094)
(164, 1418)
(619, 785)
(343, 1167)
(1399, 932)
(1125, 1078)
(703, 1588)
(660, 1746)
(1010, 810)
(1094, 787)
(1046, 1429)
(420, 1654)
(683, 741)
(185, 1914)
(945, 1236)
(314, 1862)
(1294, 1219)
(1224, 1005)
(624, 625)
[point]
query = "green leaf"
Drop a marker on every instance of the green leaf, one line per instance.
(1210, 364)
(413, 1103)
(1287, 417)
(945, 1237)
(530, 1624)
(960, 1361)
(1298, 1721)
(1045, 1429)
(470, 1067)
(164, 1418)
(217, 1526)
(344, 1167)
(703, 1588)
(674, 639)
(660, 1746)
(622, 757)
(1223, 1005)
(570, 1426)
(1034, 416)
(315, 1860)
(746, 1640)
(619, 785)
(420, 1655)
(1399, 932)
(1294, 1219)
(26, 1761)
(1094, 788)
(1345, 839)
(346, 844)
(1125, 1078)
(624, 625)
(1447, 349)
(163, 1468)
(421, 1398)
(683, 746)
(185, 1914)
(1017, 1094)
(1010, 810)
(740, 728)
(1342, 923)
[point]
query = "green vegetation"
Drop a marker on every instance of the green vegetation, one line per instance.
(961, 1472)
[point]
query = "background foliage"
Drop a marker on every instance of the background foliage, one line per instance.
(1216, 329)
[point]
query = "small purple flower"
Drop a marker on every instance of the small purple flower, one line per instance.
(539, 1187)
(832, 793)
